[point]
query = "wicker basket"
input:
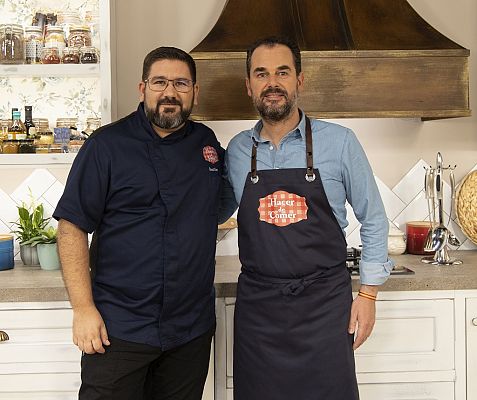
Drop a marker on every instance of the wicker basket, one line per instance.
(466, 206)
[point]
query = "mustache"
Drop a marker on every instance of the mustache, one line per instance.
(268, 91)
(169, 101)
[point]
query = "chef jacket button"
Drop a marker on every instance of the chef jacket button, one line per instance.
(271, 147)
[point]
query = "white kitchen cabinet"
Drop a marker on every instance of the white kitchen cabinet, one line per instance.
(408, 391)
(39, 361)
(471, 328)
(414, 352)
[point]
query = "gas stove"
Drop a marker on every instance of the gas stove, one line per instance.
(353, 256)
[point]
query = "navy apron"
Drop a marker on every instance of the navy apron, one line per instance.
(294, 297)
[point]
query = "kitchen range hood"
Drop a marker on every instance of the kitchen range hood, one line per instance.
(361, 58)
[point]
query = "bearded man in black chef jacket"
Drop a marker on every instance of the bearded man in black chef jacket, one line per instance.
(149, 186)
(294, 316)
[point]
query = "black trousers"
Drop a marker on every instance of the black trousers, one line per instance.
(132, 371)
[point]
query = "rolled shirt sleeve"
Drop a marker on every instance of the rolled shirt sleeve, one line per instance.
(363, 195)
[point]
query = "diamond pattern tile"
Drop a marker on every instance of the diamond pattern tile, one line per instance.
(8, 209)
(405, 202)
(53, 193)
(392, 203)
(412, 183)
(34, 186)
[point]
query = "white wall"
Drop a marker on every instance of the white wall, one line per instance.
(393, 145)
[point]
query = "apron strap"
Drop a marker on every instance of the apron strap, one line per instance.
(310, 174)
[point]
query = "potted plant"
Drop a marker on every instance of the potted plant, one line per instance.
(31, 222)
(45, 242)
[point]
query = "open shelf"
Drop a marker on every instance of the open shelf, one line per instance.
(67, 70)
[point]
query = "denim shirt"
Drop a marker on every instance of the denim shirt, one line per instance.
(346, 176)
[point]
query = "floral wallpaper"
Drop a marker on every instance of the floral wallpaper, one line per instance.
(51, 97)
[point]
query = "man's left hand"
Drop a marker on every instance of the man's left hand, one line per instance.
(363, 316)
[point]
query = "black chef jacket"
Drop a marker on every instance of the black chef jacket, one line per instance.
(152, 203)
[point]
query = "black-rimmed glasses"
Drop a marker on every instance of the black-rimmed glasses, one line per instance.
(159, 84)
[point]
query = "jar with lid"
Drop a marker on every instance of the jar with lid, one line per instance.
(80, 36)
(50, 55)
(42, 148)
(41, 124)
(89, 55)
(33, 44)
(92, 123)
(66, 19)
(26, 146)
(11, 44)
(92, 20)
(55, 37)
(71, 56)
(46, 138)
(10, 146)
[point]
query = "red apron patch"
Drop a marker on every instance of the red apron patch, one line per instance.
(282, 208)
(210, 154)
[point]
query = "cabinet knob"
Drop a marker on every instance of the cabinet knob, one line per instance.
(4, 337)
(474, 321)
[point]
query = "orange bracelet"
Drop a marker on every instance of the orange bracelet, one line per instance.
(367, 295)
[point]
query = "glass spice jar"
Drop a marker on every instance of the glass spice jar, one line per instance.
(42, 148)
(46, 138)
(80, 36)
(71, 56)
(11, 44)
(26, 146)
(55, 37)
(89, 55)
(33, 44)
(10, 146)
(66, 19)
(50, 55)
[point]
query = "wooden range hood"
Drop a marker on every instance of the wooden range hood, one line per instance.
(361, 58)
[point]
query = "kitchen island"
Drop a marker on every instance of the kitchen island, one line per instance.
(421, 347)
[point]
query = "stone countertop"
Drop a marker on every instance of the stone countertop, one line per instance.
(33, 284)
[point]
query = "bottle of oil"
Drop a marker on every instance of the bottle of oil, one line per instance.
(29, 125)
(16, 131)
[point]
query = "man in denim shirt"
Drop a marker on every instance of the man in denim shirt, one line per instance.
(295, 318)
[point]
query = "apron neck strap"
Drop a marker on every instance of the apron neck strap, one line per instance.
(310, 174)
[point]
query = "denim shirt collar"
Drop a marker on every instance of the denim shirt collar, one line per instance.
(299, 131)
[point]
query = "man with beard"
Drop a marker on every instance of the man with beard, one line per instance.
(149, 186)
(294, 316)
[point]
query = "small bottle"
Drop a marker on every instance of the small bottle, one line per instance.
(16, 131)
(29, 122)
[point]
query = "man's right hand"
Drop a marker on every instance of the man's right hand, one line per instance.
(89, 331)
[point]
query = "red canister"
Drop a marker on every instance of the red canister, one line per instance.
(416, 233)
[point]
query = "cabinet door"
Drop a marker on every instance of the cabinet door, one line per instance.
(38, 336)
(407, 391)
(471, 351)
(410, 335)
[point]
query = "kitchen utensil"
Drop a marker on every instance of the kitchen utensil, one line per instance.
(3, 336)
(453, 239)
(429, 191)
(440, 233)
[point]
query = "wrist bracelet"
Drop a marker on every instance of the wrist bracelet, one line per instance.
(367, 295)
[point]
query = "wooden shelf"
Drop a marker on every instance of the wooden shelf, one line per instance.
(66, 70)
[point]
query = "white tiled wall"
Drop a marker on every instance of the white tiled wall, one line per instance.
(404, 202)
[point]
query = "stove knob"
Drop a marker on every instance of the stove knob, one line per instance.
(474, 322)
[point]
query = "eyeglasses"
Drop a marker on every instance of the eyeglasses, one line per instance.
(159, 84)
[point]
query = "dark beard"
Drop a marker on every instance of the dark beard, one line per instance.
(274, 112)
(167, 120)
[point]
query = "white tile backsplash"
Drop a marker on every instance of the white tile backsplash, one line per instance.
(405, 202)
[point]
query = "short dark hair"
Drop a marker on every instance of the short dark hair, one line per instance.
(168, 53)
(272, 41)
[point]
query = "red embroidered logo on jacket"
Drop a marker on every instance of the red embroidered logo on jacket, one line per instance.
(282, 208)
(210, 154)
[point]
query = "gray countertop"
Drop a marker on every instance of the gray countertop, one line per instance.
(33, 284)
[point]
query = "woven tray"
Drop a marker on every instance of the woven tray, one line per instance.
(466, 206)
